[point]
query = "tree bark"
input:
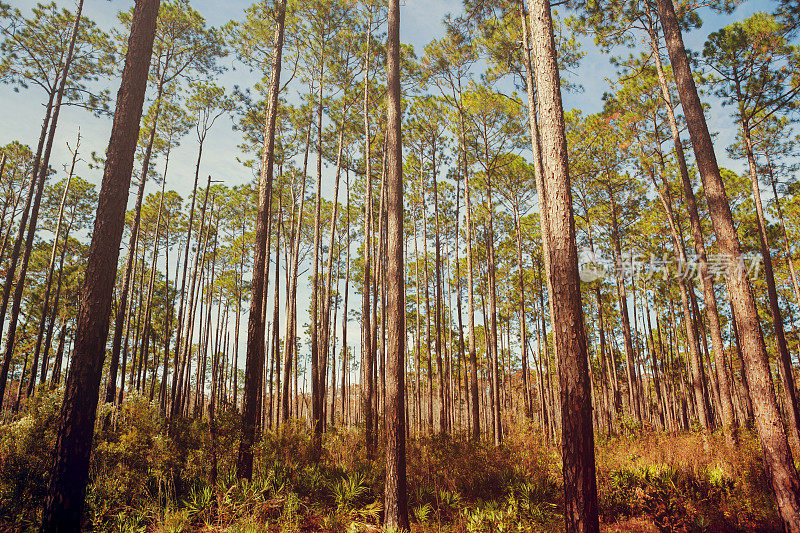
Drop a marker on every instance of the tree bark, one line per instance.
(777, 455)
(473, 357)
(367, 383)
(580, 484)
(709, 297)
(116, 344)
(67, 488)
(784, 357)
(316, 385)
(254, 365)
(396, 501)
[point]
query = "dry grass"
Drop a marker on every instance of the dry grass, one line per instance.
(146, 481)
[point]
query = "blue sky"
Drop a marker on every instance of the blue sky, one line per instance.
(22, 112)
(421, 22)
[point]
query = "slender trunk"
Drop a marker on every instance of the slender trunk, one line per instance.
(276, 315)
(41, 170)
(254, 365)
(580, 485)
(182, 304)
(345, 397)
(786, 249)
(709, 297)
(784, 357)
(327, 294)
(396, 500)
(367, 379)
(541, 350)
(523, 332)
(14, 259)
(493, 337)
(692, 338)
(316, 384)
(154, 259)
(162, 393)
(459, 311)
(289, 346)
(127, 275)
(418, 302)
(9, 215)
(54, 312)
(423, 194)
(50, 270)
(438, 295)
(473, 357)
(777, 454)
(622, 298)
(55, 377)
(185, 347)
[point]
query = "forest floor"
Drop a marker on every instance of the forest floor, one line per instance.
(146, 479)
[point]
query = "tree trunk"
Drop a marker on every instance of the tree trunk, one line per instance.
(327, 294)
(316, 385)
(127, 275)
(50, 271)
(774, 443)
(181, 392)
(709, 297)
(396, 501)
(784, 357)
(367, 378)
(473, 363)
(37, 182)
(523, 332)
(493, 336)
(692, 337)
(345, 397)
(55, 377)
(14, 259)
(176, 384)
(65, 498)
(289, 345)
(54, 312)
(276, 315)
(254, 365)
(154, 259)
(786, 243)
(580, 485)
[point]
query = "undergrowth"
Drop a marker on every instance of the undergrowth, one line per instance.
(148, 477)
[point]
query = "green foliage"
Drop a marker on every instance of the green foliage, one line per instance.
(33, 47)
(348, 490)
(754, 67)
(26, 446)
(145, 480)
(198, 505)
(422, 512)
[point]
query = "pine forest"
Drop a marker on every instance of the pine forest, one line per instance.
(451, 266)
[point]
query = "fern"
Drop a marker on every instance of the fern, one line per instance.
(422, 513)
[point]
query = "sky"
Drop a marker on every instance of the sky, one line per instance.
(22, 111)
(420, 23)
